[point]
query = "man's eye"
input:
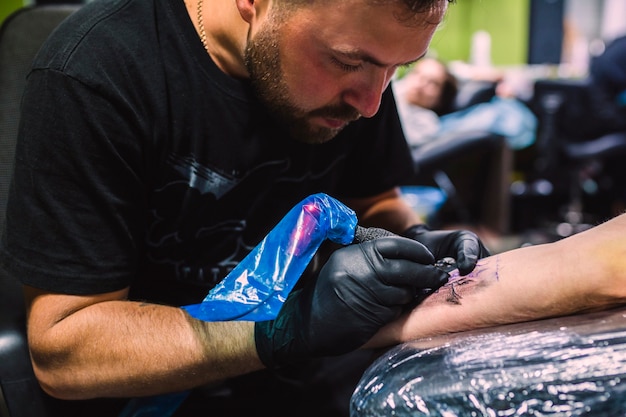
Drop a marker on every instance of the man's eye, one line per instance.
(346, 67)
(403, 67)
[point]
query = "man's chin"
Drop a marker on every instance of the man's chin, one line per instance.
(316, 136)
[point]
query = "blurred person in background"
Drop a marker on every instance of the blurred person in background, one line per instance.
(426, 97)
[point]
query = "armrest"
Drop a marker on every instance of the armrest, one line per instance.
(611, 144)
(573, 364)
(433, 154)
(20, 394)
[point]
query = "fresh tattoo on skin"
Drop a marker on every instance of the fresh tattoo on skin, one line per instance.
(481, 277)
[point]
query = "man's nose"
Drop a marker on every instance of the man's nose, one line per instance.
(366, 92)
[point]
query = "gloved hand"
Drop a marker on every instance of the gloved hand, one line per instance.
(462, 245)
(361, 288)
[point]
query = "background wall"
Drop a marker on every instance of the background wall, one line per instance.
(506, 21)
(9, 6)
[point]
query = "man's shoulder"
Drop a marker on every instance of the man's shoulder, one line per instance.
(101, 34)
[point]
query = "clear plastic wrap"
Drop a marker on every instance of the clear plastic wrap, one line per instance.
(571, 366)
(258, 286)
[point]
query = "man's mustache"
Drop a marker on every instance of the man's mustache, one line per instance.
(341, 112)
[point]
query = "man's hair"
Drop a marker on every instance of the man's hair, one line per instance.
(421, 6)
(412, 8)
(415, 9)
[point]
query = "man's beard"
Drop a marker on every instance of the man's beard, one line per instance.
(262, 60)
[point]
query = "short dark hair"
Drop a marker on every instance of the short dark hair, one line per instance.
(421, 6)
(413, 8)
(418, 7)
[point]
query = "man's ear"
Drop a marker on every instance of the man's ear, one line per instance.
(247, 9)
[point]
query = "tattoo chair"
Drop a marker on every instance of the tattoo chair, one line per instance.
(474, 171)
(21, 35)
(473, 168)
(565, 366)
(578, 150)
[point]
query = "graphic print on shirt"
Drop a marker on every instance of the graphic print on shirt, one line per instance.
(202, 178)
(199, 217)
(204, 222)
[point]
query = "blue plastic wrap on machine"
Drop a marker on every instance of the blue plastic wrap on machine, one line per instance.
(257, 287)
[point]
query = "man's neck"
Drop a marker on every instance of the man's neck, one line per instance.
(226, 33)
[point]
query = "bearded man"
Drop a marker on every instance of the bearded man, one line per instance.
(161, 141)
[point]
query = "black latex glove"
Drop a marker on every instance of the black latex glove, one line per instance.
(361, 288)
(462, 245)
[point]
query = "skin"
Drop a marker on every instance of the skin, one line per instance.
(426, 82)
(345, 77)
(582, 273)
(334, 63)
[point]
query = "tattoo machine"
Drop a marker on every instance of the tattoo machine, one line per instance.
(257, 287)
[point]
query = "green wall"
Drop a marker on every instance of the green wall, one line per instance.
(9, 6)
(505, 20)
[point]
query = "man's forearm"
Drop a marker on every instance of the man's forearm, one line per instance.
(123, 348)
(582, 273)
(386, 210)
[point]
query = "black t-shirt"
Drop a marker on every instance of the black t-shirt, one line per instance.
(140, 163)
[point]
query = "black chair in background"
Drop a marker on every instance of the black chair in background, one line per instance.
(576, 155)
(473, 168)
(473, 92)
(21, 36)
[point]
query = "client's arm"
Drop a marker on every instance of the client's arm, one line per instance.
(584, 272)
